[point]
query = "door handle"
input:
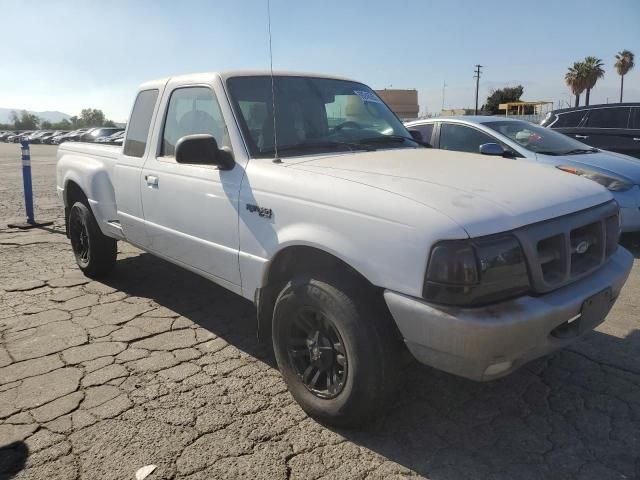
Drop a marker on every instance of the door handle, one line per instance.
(635, 139)
(584, 137)
(152, 180)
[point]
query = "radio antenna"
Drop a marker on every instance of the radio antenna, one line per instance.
(276, 158)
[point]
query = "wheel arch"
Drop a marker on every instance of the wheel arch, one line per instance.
(73, 193)
(295, 260)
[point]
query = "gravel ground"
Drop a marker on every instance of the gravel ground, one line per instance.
(159, 366)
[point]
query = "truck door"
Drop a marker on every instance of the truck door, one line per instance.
(190, 211)
(128, 168)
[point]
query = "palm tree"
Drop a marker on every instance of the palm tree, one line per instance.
(575, 79)
(593, 72)
(624, 63)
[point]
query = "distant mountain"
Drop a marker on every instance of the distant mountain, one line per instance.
(5, 115)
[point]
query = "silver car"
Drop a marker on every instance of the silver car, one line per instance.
(520, 140)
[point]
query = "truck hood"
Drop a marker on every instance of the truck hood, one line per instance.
(482, 194)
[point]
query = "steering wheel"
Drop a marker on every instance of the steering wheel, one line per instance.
(347, 124)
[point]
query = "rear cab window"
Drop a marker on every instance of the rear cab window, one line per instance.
(135, 143)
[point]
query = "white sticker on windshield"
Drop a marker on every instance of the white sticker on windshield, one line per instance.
(367, 96)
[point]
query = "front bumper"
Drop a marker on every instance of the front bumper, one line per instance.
(489, 342)
(630, 218)
(629, 202)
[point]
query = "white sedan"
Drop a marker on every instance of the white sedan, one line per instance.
(520, 140)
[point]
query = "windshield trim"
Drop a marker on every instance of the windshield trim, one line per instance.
(252, 148)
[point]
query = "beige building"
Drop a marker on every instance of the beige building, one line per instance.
(404, 103)
(453, 112)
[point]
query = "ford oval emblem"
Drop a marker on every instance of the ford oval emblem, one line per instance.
(582, 247)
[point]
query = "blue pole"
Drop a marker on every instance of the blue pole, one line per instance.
(26, 181)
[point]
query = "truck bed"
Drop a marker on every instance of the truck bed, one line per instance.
(93, 149)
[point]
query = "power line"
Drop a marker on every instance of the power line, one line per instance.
(477, 77)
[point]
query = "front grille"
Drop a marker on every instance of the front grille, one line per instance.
(562, 250)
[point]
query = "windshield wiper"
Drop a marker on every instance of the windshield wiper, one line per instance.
(319, 145)
(552, 153)
(578, 151)
(393, 139)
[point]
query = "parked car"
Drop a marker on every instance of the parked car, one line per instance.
(36, 136)
(79, 134)
(613, 126)
(18, 136)
(5, 135)
(55, 140)
(119, 140)
(95, 133)
(353, 240)
(46, 138)
(33, 135)
(111, 138)
(520, 140)
(71, 136)
(60, 138)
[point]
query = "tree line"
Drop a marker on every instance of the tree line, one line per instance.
(583, 76)
(89, 117)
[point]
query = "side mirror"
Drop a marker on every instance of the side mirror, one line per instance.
(416, 135)
(492, 149)
(202, 149)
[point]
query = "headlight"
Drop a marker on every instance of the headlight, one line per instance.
(476, 271)
(611, 183)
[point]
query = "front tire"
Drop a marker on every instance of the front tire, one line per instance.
(95, 252)
(337, 353)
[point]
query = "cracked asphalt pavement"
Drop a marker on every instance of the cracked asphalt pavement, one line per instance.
(158, 366)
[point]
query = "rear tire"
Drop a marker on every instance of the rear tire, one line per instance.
(338, 354)
(95, 252)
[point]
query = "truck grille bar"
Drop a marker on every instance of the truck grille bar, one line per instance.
(563, 250)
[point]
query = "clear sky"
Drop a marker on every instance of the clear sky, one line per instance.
(67, 55)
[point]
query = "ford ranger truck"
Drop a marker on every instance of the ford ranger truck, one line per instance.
(306, 195)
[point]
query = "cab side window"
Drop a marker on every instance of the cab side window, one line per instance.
(192, 110)
(461, 138)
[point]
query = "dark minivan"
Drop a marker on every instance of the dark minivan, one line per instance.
(612, 126)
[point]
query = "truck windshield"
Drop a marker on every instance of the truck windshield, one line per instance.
(313, 115)
(538, 139)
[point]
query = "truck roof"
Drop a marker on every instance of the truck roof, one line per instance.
(224, 75)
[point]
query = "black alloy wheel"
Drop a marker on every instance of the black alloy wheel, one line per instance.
(95, 253)
(79, 236)
(316, 352)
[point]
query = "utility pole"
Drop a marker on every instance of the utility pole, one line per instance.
(444, 86)
(477, 77)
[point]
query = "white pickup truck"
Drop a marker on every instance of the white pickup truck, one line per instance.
(307, 195)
